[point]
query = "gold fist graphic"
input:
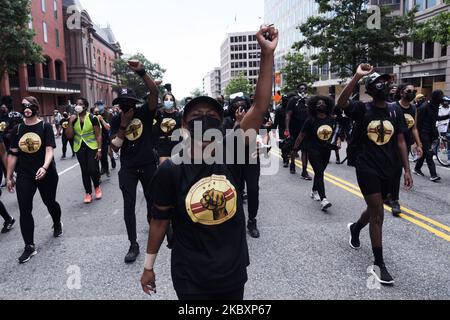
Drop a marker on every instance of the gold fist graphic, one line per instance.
(215, 201)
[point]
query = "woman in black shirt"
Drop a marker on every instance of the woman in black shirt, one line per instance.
(168, 119)
(31, 156)
(320, 135)
(210, 253)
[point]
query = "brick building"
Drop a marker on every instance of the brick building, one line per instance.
(46, 81)
(91, 52)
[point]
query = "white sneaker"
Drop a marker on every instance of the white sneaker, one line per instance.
(315, 196)
(325, 205)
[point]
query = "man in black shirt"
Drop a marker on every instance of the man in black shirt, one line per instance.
(427, 116)
(296, 115)
(382, 145)
(131, 132)
(64, 125)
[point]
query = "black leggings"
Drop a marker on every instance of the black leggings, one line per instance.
(427, 142)
(25, 189)
(89, 167)
(104, 160)
(250, 177)
(128, 180)
(236, 295)
(319, 159)
(64, 144)
(3, 212)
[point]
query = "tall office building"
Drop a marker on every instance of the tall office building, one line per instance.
(240, 54)
(212, 83)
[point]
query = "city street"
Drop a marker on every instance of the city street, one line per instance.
(302, 253)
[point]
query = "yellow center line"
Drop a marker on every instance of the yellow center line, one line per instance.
(356, 191)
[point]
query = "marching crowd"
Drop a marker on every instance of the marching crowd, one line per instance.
(196, 205)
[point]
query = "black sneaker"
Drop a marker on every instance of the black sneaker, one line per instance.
(27, 254)
(63, 157)
(435, 179)
(132, 253)
(253, 229)
(293, 171)
(382, 275)
(354, 239)
(108, 174)
(396, 210)
(418, 172)
(113, 163)
(286, 164)
(8, 225)
(306, 177)
(57, 230)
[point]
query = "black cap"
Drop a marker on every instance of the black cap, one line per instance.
(374, 77)
(126, 94)
(203, 100)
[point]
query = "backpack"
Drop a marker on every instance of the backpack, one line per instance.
(355, 144)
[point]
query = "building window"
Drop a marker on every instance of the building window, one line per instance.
(55, 9)
(57, 38)
(429, 50)
(43, 5)
(420, 4)
(44, 29)
(417, 50)
(443, 51)
(431, 3)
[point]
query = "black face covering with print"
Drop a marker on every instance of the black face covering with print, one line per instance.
(206, 123)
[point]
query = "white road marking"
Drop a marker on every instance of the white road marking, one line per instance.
(68, 169)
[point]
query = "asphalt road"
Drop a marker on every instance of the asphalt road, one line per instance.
(302, 253)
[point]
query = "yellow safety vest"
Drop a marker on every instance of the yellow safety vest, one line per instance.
(86, 135)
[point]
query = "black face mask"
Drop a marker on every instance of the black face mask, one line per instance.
(410, 96)
(207, 123)
(381, 94)
(33, 109)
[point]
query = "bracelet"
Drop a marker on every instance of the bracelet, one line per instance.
(149, 261)
(148, 270)
(99, 150)
(141, 73)
(44, 168)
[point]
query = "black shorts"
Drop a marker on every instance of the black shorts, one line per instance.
(370, 183)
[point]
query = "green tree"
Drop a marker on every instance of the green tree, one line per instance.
(436, 29)
(342, 34)
(16, 39)
(131, 80)
(239, 84)
(197, 92)
(296, 71)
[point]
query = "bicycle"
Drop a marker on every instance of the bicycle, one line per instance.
(441, 150)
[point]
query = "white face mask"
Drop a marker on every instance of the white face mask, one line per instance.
(79, 109)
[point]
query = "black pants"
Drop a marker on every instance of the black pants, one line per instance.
(319, 159)
(236, 295)
(3, 212)
(427, 142)
(64, 145)
(89, 168)
(26, 189)
(250, 177)
(104, 160)
(128, 180)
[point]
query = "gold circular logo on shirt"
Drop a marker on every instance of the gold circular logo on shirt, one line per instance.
(30, 143)
(168, 124)
(3, 126)
(134, 130)
(65, 124)
(325, 133)
(409, 120)
(380, 132)
(212, 201)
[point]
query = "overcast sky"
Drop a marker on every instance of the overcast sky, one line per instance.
(184, 36)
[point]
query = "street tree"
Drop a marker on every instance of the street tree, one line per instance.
(16, 38)
(297, 70)
(197, 92)
(239, 84)
(436, 29)
(129, 79)
(346, 33)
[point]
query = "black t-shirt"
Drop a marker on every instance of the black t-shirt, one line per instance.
(137, 149)
(280, 121)
(31, 141)
(167, 123)
(379, 129)
(299, 111)
(410, 118)
(319, 132)
(210, 252)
